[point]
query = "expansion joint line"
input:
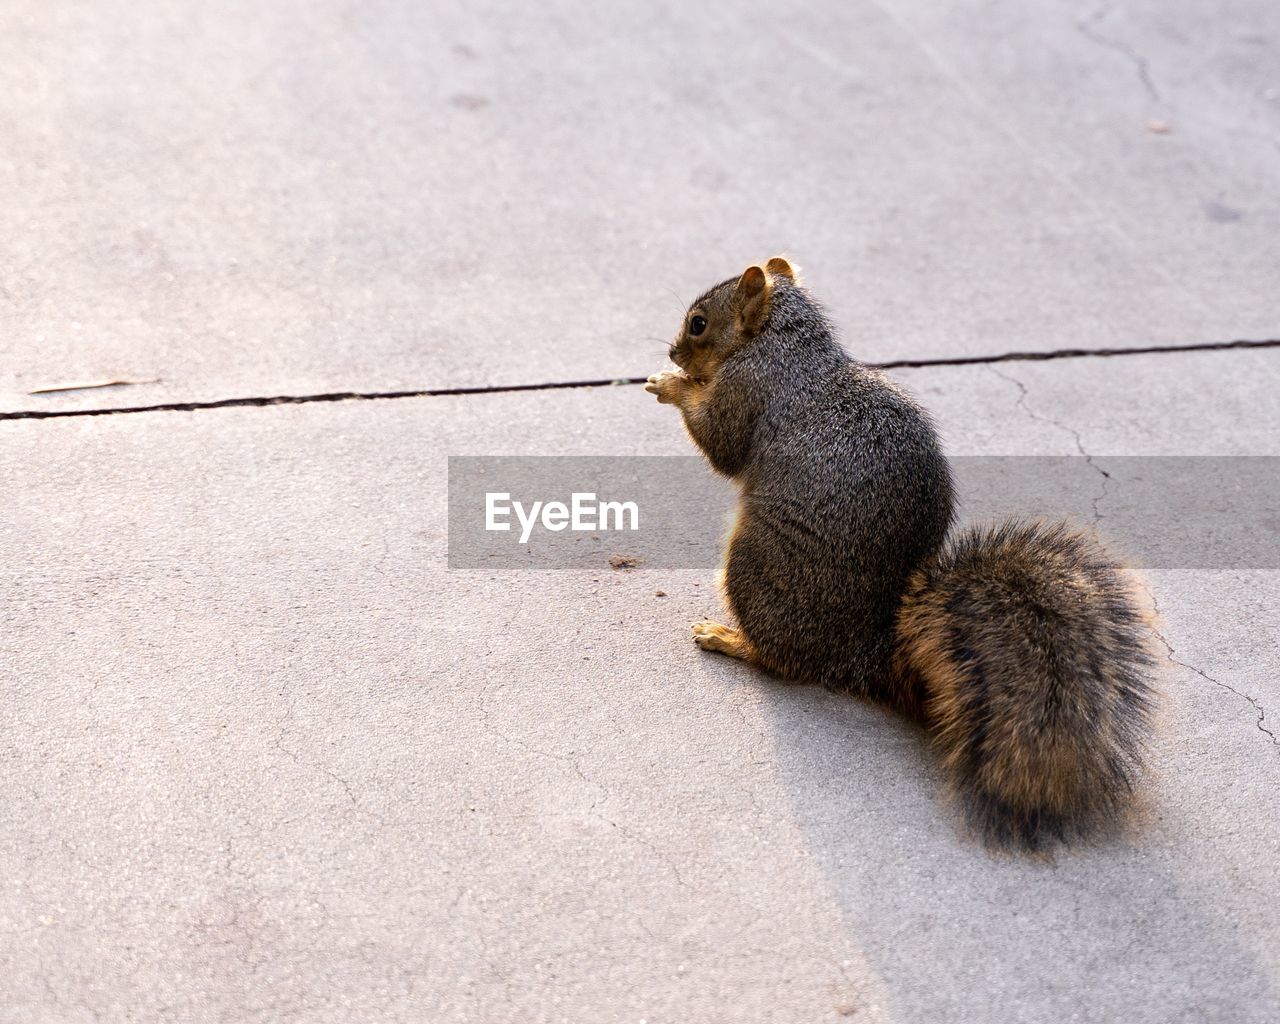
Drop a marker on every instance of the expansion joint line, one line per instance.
(500, 389)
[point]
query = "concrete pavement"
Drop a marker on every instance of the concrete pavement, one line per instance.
(300, 198)
(268, 759)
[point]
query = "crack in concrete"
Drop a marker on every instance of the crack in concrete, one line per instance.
(1067, 428)
(296, 758)
(1171, 655)
(991, 109)
(1086, 27)
(501, 389)
(244, 935)
(55, 998)
(575, 763)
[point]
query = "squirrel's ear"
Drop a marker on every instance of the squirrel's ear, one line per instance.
(780, 267)
(753, 292)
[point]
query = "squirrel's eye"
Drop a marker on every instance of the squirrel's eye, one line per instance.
(697, 325)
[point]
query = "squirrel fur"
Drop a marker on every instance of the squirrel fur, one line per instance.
(1020, 646)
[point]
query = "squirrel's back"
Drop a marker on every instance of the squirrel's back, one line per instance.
(844, 492)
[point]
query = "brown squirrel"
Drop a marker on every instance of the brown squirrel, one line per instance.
(1021, 647)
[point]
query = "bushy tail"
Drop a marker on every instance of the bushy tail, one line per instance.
(1032, 656)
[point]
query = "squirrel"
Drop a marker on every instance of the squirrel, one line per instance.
(1021, 647)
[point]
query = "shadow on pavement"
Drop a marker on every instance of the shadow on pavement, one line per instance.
(1122, 931)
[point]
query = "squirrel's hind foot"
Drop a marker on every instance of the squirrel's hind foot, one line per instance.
(711, 636)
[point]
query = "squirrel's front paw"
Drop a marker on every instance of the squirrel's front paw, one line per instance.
(666, 386)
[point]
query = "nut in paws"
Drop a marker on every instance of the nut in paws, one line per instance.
(665, 385)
